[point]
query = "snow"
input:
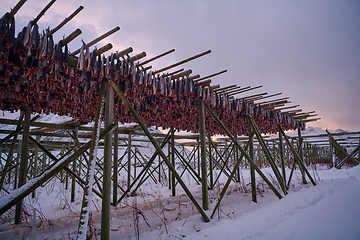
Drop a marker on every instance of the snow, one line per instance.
(329, 210)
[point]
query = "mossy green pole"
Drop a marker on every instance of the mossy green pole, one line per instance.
(236, 154)
(35, 163)
(211, 163)
(23, 161)
(161, 153)
(129, 161)
(203, 165)
(301, 155)
(281, 154)
(106, 193)
(251, 155)
(116, 164)
(172, 159)
(73, 181)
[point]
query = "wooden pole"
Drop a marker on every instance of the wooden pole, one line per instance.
(15, 9)
(210, 162)
(182, 74)
(35, 163)
(252, 170)
(116, 164)
(66, 20)
(204, 183)
(301, 155)
(203, 83)
(233, 92)
(43, 12)
(137, 57)
(129, 160)
(106, 193)
(156, 57)
(172, 73)
(172, 159)
(169, 171)
(69, 38)
(220, 90)
(282, 158)
(242, 91)
(236, 153)
(209, 76)
(73, 181)
(181, 62)
(98, 39)
(23, 161)
(123, 52)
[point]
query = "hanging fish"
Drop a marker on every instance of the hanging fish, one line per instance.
(65, 56)
(3, 23)
(27, 36)
(50, 46)
(87, 59)
(10, 35)
(80, 63)
(35, 37)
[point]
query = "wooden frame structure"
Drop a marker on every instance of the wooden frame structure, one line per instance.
(119, 79)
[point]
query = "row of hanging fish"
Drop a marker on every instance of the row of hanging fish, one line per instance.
(36, 72)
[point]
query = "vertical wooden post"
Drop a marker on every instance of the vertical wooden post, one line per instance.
(168, 156)
(172, 160)
(198, 158)
(43, 162)
(33, 225)
(66, 173)
(116, 164)
(332, 151)
(282, 158)
(236, 154)
(23, 161)
(301, 155)
(210, 163)
(160, 167)
(252, 170)
(106, 193)
(16, 170)
(129, 160)
(135, 162)
(73, 181)
(35, 163)
(204, 184)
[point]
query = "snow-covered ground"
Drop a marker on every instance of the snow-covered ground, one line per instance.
(329, 210)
